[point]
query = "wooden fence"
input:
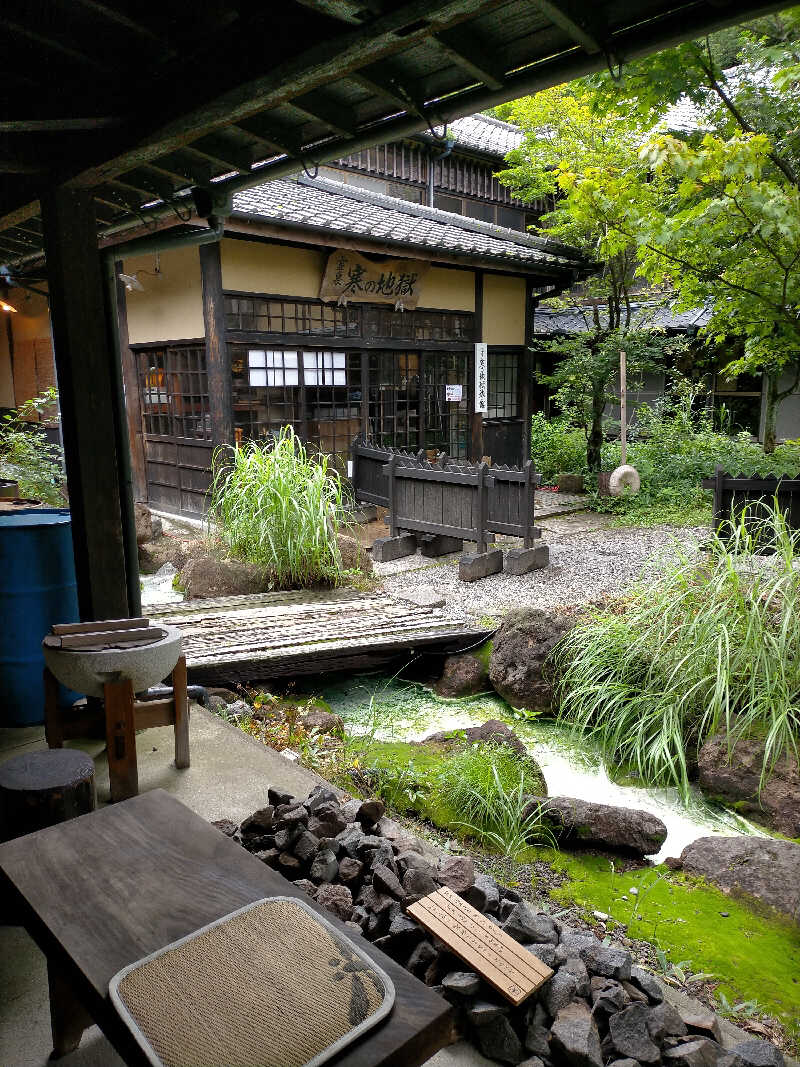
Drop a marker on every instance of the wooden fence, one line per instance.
(447, 497)
(734, 493)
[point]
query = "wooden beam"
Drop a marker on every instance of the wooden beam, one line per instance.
(81, 325)
(352, 11)
(326, 112)
(218, 360)
(65, 125)
(578, 20)
(471, 55)
(76, 55)
(378, 87)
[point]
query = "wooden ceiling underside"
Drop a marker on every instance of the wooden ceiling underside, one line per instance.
(141, 101)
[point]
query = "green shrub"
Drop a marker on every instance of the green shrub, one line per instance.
(705, 646)
(27, 457)
(279, 508)
(557, 447)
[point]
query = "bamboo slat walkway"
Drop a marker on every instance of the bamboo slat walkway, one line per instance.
(244, 638)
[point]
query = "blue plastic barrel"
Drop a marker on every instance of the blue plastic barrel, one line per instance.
(37, 589)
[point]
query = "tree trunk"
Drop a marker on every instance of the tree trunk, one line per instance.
(771, 410)
(594, 442)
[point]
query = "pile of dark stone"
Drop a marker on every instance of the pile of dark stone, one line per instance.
(598, 1008)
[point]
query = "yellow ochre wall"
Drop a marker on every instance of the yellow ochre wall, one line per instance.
(33, 369)
(448, 290)
(171, 306)
(503, 310)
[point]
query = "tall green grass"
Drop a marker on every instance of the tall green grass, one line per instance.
(278, 507)
(705, 646)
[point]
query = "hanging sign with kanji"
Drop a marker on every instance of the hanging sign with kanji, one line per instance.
(350, 276)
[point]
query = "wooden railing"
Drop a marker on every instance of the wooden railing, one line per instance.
(735, 493)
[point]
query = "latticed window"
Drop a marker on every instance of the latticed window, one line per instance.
(173, 387)
(503, 385)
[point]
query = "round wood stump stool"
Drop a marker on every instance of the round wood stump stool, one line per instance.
(38, 789)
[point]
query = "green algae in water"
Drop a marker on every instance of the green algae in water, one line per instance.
(753, 953)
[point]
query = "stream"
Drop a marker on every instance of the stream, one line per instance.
(396, 710)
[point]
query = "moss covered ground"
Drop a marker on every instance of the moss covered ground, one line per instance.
(753, 954)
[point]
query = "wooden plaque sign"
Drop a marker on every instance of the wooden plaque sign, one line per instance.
(352, 277)
(491, 953)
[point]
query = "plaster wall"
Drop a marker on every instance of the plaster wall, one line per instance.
(448, 290)
(503, 310)
(32, 369)
(171, 306)
(6, 379)
(259, 267)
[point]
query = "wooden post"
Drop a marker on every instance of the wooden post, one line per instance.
(623, 408)
(82, 329)
(133, 400)
(123, 772)
(181, 702)
(528, 496)
(393, 531)
(476, 417)
(526, 373)
(719, 495)
(218, 361)
(481, 509)
(68, 1016)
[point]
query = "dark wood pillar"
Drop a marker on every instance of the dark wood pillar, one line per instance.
(133, 399)
(218, 361)
(526, 373)
(476, 418)
(82, 335)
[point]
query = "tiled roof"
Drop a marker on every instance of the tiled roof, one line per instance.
(338, 208)
(482, 133)
(646, 315)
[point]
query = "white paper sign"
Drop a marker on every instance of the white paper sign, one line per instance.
(481, 378)
(452, 393)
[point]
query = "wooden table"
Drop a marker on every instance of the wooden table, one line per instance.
(105, 889)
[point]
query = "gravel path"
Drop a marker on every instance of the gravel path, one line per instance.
(587, 561)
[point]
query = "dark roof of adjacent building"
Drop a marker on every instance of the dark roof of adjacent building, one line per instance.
(646, 314)
(481, 133)
(336, 208)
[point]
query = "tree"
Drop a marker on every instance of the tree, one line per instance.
(583, 377)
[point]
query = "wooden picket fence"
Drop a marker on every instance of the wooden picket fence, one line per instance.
(733, 493)
(446, 496)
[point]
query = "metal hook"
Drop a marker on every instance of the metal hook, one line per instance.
(436, 136)
(616, 75)
(315, 175)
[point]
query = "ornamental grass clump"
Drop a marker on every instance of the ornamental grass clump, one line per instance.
(705, 647)
(279, 508)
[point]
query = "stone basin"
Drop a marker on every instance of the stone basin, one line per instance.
(87, 671)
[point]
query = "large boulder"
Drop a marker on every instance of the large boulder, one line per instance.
(734, 774)
(353, 554)
(144, 523)
(582, 822)
(462, 676)
(521, 649)
(492, 732)
(209, 576)
(760, 867)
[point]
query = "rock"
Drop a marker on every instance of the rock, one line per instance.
(289, 864)
(498, 1041)
(227, 827)
(520, 650)
(353, 555)
(456, 872)
(630, 1034)
(423, 955)
(371, 812)
(386, 881)
(486, 886)
(328, 822)
(704, 1024)
(543, 951)
(481, 1012)
(634, 993)
(537, 1038)
(306, 846)
(404, 930)
(734, 775)
(323, 722)
(350, 869)
(462, 676)
(577, 968)
(324, 867)
(608, 996)
(337, 899)
(699, 1053)
(757, 1053)
(761, 867)
(462, 983)
(409, 858)
(558, 992)
(210, 576)
(526, 926)
(418, 883)
(492, 732)
(424, 596)
(277, 797)
(648, 983)
(624, 1063)
(216, 704)
(606, 961)
(574, 1037)
(532, 1061)
(144, 523)
(583, 822)
(306, 886)
(665, 1021)
(375, 901)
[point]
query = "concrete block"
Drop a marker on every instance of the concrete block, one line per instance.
(481, 565)
(524, 560)
(439, 545)
(385, 549)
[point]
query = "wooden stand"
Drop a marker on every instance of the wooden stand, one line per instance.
(124, 715)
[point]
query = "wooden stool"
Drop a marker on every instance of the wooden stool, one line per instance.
(124, 715)
(38, 789)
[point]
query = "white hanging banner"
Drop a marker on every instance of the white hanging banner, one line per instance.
(481, 378)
